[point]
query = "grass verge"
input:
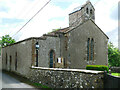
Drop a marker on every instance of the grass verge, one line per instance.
(116, 74)
(25, 80)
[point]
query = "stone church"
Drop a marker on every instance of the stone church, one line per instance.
(82, 43)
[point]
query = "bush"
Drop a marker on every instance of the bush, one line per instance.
(113, 55)
(98, 67)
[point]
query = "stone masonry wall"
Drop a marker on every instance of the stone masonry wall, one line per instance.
(66, 78)
(80, 16)
(77, 43)
(21, 62)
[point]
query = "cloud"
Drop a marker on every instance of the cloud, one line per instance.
(20, 8)
(10, 21)
(20, 11)
(51, 17)
(54, 15)
(44, 22)
(102, 15)
(119, 10)
(114, 12)
(4, 9)
(113, 36)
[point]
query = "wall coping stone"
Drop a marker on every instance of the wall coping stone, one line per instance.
(70, 70)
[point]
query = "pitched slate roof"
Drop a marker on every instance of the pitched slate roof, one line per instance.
(84, 23)
(27, 39)
(67, 29)
(56, 32)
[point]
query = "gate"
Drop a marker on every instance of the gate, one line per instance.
(111, 81)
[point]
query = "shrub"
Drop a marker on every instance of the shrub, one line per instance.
(113, 55)
(97, 67)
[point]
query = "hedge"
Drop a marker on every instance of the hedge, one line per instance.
(97, 67)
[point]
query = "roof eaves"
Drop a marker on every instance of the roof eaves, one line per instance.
(50, 35)
(41, 38)
(74, 11)
(72, 28)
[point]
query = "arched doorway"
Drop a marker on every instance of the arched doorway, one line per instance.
(52, 58)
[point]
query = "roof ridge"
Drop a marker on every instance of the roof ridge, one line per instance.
(72, 28)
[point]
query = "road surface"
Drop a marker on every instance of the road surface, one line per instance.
(7, 81)
(10, 82)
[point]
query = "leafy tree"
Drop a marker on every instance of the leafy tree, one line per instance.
(0, 49)
(113, 55)
(6, 40)
(54, 30)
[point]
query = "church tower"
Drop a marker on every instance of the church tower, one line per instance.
(81, 14)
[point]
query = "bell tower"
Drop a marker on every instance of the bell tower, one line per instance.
(81, 14)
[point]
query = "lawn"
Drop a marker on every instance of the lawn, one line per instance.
(116, 74)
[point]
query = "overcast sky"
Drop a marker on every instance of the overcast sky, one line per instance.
(15, 13)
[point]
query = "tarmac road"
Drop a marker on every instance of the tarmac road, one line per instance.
(10, 82)
(7, 81)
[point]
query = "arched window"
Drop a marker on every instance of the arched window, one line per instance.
(52, 58)
(91, 11)
(37, 51)
(87, 10)
(92, 49)
(88, 48)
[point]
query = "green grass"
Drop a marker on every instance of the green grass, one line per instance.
(42, 86)
(116, 74)
(25, 80)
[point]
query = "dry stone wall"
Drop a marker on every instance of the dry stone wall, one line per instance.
(66, 78)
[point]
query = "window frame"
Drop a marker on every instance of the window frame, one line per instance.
(90, 49)
(87, 10)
